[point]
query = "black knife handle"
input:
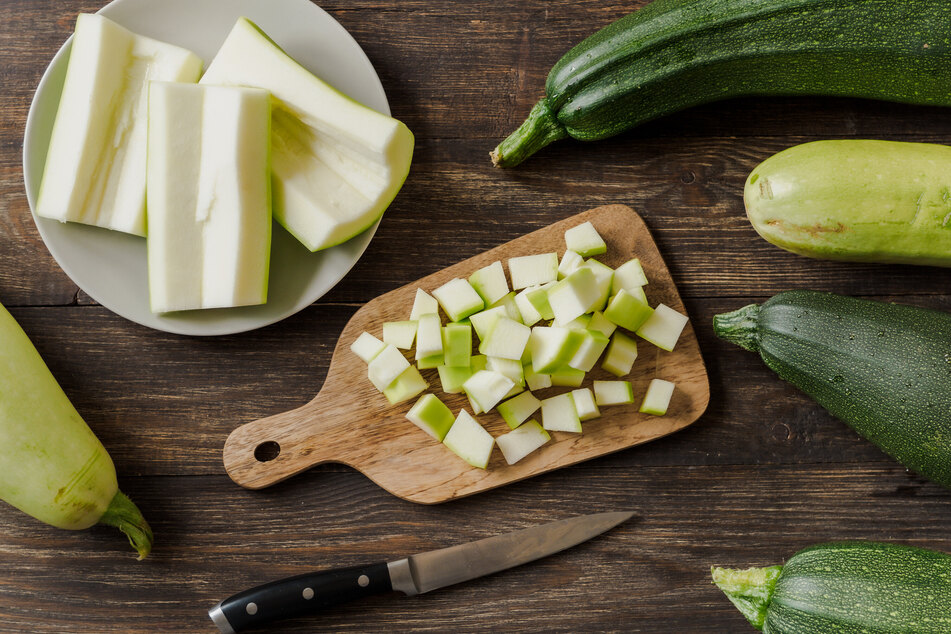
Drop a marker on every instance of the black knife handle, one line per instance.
(299, 595)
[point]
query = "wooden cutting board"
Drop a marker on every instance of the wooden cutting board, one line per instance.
(350, 422)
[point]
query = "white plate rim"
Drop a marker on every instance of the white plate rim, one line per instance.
(197, 323)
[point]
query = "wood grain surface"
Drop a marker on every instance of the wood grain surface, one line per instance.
(761, 474)
(351, 423)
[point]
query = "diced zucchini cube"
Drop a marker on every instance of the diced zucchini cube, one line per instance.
(432, 416)
(452, 379)
(520, 442)
(559, 414)
(516, 389)
(601, 323)
(386, 367)
(428, 336)
(621, 355)
(469, 440)
(490, 283)
(581, 323)
(639, 294)
(629, 276)
(627, 311)
(534, 380)
(484, 320)
(657, 397)
(511, 308)
(457, 345)
(663, 327)
(507, 339)
(574, 296)
(570, 262)
(429, 363)
(516, 410)
(538, 298)
(604, 275)
(458, 299)
(613, 392)
(406, 386)
(589, 351)
(474, 405)
(567, 377)
(530, 315)
(401, 334)
(527, 354)
(487, 388)
(585, 404)
(585, 240)
(508, 367)
(366, 346)
(553, 347)
(423, 303)
(530, 270)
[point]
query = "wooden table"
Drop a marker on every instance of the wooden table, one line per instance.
(762, 474)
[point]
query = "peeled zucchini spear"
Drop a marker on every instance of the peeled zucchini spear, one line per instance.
(52, 466)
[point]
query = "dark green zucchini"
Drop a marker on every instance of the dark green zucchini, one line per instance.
(674, 54)
(885, 369)
(846, 587)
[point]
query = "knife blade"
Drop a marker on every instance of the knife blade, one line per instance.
(416, 574)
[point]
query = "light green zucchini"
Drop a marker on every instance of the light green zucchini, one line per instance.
(864, 201)
(52, 466)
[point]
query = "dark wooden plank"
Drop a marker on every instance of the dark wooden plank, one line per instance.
(30, 33)
(485, 88)
(762, 474)
(685, 175)
(689, 193)
(479, 89)
(164, 405)
(651, 575)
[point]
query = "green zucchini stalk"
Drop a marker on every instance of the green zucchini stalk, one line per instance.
(739, 327)
(538, 130)
(749, 590)
(52, 466)
(125, 516)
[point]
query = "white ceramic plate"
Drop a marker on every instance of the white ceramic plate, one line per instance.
(111, 266)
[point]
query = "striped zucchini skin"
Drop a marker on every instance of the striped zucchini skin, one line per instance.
(885, 369)
(675, 54)
(852, 588)
(862, 588)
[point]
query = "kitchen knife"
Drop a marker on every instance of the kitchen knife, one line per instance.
(413, 575)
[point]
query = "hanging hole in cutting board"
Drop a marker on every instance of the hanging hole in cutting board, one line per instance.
(267, 451)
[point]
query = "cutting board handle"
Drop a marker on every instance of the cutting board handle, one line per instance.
(268, 450)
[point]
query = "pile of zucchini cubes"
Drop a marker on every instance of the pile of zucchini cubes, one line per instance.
(587, 307)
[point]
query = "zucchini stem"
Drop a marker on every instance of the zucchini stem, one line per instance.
(538, 130)
(125, 516)
(749, 590)
(739, 327)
